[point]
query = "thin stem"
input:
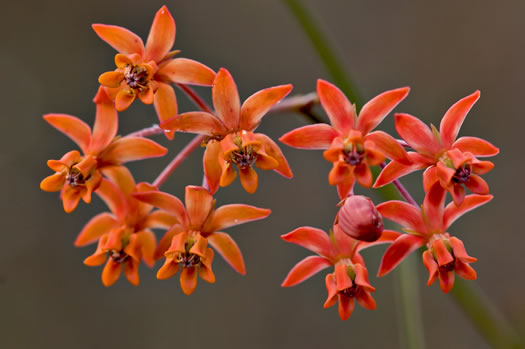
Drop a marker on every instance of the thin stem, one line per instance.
(184, 153)
(402, 190)
(323, 48)
(199, 102)
(149, 131)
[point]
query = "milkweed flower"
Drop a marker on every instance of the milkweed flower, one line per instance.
(427, 226)
(185, 245)
(350, 145)
(349, 281)
(77, 174)
(145, 72)
(451, 162)
(124, 236)
(232, 141)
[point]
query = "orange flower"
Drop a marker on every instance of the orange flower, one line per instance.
(147, 71)
(451, 162)
(349, 281)
(232, 141)
(185, 245)
(350, 145)
(77, 175)
(124, 236)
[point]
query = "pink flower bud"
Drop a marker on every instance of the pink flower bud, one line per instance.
(359, 218)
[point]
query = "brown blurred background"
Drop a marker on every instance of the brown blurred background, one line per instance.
(444, 50)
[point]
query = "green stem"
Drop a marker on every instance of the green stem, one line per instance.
(484, 315)
(321, 45)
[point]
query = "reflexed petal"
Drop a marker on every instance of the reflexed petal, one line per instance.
(339, 172)
(77, 130)
(228, 174)
(95, 228)
(70, 198)
(318, 136)
(394, 169)
(458, 194)
(363, 174)
(199, 204)
(53, 183)
(229, 250)
(389, 147)
(128, 149)
(453, 211)
(165, 103)
(273, 150)
(121, 177)
(161, 36)
(121, 39)
(346, 187)
(312, 239)
(476, 146)
(206, 274)
(446, 280)
(195, 122)
(331, 287)
(465, 271)
(234, 214)
(481, 167)
(226, 99)
(405, 214)
(146, 96)
(186, 71)
(387, 237)
(346, 306)
(433, 207)
(417, 135)
(105, 128)
(257, 105)
(459, 250)
(165, 202)
(305, 269)
(111, 272)
(160, 219)
(131, 271)
(188, 280)
(366, 301)
(395, 253)
(477, 185)
(249, 179)
(361, 278)
(124, 99)
(147, 243)
(431, 265)
(454, 117)
(430, 176)
(169, 269)
(338, 108)
(265, 162)
(212, 168)
(111, 78)
(113, 197)
(378, 108)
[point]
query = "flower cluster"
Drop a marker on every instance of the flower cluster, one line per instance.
(194, 229)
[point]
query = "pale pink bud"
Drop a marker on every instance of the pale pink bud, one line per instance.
(359, 218)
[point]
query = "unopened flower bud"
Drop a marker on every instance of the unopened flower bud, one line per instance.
(359, 218)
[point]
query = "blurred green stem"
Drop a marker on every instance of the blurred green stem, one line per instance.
(470, 298)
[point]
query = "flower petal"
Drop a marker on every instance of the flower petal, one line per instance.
(169, 269)
(363, 175)
(319, 136)
(417, 135)
(70, 198)
(312, 239)
(338, 108)
(477, 185)
(161, 36)
(257, 105)
(226, 99)
(273, 150)
(346, 187)
(387, 145)
(159, 219)
(121, 39)
(165, 103)
(113, 198)
(305, 269)
(111, 78)
(111, 272)
(234, 214)
(228, 174)
(53, 183)
(166, 202)
(77, 130)
(212, 168)
(446, 280)
(454, 117)
(165, 242)
(465, 271)
(195, 122)
(476, 146)
(405, 214)
(188, 280)
(346, 306)
(105, 128)
(459, 250)
(186, 71)
(128, 149)
(147, 242)
(394, 169)
(124, 99)
(229, 250)
(431, 265)
(95, 228)
(453, 212)
(395, 253)
(131, 271)
(249, 179)
(375, 110)
(433, 207)
(199, 203)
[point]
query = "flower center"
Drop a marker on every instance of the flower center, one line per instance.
(350, 291)
(354, 156)
(118, 256)
(244, 157)
(462, 174)
(136, 77)
(449, 266)
(75, 178)
(188, 260)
